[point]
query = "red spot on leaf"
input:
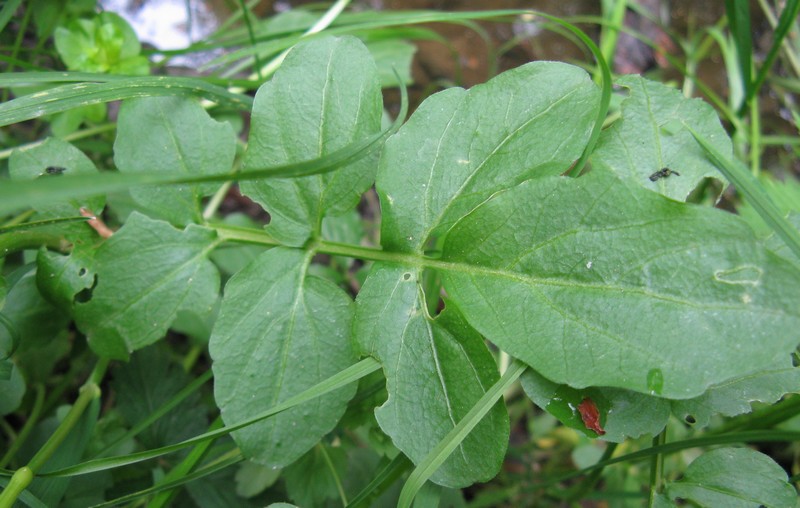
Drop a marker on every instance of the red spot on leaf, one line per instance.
(590, 416)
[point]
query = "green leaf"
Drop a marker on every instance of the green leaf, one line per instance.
(325, 96)
(393, 55)
(12, 389)
(734, 477)
(180, 138)
(310, 481)
(778, 245)
(748, 186)
(280, 331)
(460, 147)
(52, 160)
(36, 320)
(60, 278)
(105, 43)
(621, 287)
(623, 413)
(147, 382)
(650, 137)
(734, 397)
(784, 194)
(436, 370)
(106, 89)
(146, 273)
(252, 479)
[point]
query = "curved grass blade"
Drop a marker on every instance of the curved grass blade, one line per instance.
(218, 465)
(605, 91)
(345, 377)
(161, 411)
(747, 184)
(20, 194)
(65, 97)
(439, 454)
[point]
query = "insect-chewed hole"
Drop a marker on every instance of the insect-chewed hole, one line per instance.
(407, 276)
(691, 420)
(85, 295)
(81, 272)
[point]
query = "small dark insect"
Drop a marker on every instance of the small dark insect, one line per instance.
(663, 173)
(54, 170)
(590, 416)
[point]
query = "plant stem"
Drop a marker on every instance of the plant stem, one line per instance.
(22, 240)
(755, 137)
(609, 32)
(657, 469)
(24, 475)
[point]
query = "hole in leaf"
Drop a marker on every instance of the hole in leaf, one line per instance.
(82, 272)
(691, 420)
(407, 276)
(85, 295)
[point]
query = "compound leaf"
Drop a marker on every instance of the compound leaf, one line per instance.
(650, 138)
(145, 273)
(462, 146)
(279, 332)
(180, 138)
(325, 96)
(621, 287)
(436, 370)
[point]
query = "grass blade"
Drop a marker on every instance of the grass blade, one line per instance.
(345, 377)
(21, 194)
(739, 23)
(8, 10)
(446, 446)
(747, 184)
(218, 465)
(65, 97)
(788, 17)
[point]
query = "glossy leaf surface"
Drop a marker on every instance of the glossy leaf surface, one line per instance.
(280, 332)
(146, 272)
(325, 96)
